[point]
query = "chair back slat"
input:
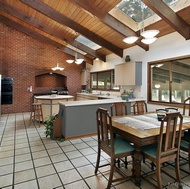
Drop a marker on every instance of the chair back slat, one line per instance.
(104, 131)
(169, 141)
(118, 109)
(186, 104)
(140, 107)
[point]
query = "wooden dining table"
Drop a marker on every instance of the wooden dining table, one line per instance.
(140, 130)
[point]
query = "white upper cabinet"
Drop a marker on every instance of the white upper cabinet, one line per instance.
(129, 73)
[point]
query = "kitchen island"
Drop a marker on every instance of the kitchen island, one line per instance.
(50, 103)
(79, 117)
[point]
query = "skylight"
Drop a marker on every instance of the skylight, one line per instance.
(133, 8)
(88, 43)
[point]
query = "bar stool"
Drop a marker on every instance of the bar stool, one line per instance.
(36, 114)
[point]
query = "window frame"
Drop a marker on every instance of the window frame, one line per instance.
(110, 70)
(149, 83)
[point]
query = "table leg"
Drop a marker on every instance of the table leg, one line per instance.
(137, 165)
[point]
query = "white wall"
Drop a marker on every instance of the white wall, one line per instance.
(172, 45)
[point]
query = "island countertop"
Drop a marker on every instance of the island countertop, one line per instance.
(94, 102)
(52, 97)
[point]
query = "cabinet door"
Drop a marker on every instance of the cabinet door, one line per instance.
(129, 74)
(119, 72)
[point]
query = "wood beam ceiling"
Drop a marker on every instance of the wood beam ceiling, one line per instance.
(169, 16)
(109, 20)
(58, 17)
(45, 28)
(40, 37)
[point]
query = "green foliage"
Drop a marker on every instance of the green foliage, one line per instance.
(49, 126)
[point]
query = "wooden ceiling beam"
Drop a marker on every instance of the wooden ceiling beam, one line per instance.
(58, 17)
(45, 28)
(109, 20)
(40, 37)
(169, 16)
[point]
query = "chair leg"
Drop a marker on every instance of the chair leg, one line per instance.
(98, 160)
(126, 162)
(111, 173)
(177, 170)
(158, 175)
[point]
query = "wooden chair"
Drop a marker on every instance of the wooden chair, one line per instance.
(185, 140)
(119, 109)
(167, 148)
(114, 147)
(140, 107)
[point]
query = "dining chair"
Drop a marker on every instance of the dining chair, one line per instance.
(171, 109)
(185, 140)
(166, 149)
(119, 109)
(140, 107)
(113, 147)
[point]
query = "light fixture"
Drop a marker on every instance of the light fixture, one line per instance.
(57, 66)
(130, 39)
(76, 60)
(149, 35)
(157, 86)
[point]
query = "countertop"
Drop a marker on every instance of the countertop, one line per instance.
(53, 97)
(93, 102)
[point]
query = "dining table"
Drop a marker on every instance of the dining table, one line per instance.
(141, 130)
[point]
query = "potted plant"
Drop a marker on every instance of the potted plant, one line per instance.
(51, 128)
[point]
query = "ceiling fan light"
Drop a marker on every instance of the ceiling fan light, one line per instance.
(79, 60)
(57, 68)
(130, 40)
(70, 61)
(149, 40)
(150, 33)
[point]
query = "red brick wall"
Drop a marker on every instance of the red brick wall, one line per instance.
(21, 57)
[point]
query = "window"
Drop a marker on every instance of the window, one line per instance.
(169, 80)
(103, 80)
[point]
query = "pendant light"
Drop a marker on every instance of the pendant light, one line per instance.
(76, 60)
(57, 66)
(149, 35)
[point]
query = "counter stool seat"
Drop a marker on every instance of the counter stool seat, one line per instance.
(36, 114)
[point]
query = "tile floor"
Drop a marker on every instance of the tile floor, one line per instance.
(29, 160)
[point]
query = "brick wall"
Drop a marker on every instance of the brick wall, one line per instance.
(21, 57)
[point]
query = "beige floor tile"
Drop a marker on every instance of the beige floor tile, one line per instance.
(81, 161)
(79, 185)
(5, 154)
(58, 158)
(7, 169)
(69, 176)
(81, 145)
(23, 176)
(39, 154)
(22, 151)
(97, 182)
(73, 154)
(6, 180)
(6, 161)
(37, 148)
(49, 182)
(87, 151)
(45, 171)
(51, 145)
(6, 148)
(23, 166)
(54, 151)
(86, 171)
(63, 166)
(27, 185)
(24, 157)
(68, 148)
(42, 161)
(24, 145)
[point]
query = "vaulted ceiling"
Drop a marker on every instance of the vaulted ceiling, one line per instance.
(60, 22)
